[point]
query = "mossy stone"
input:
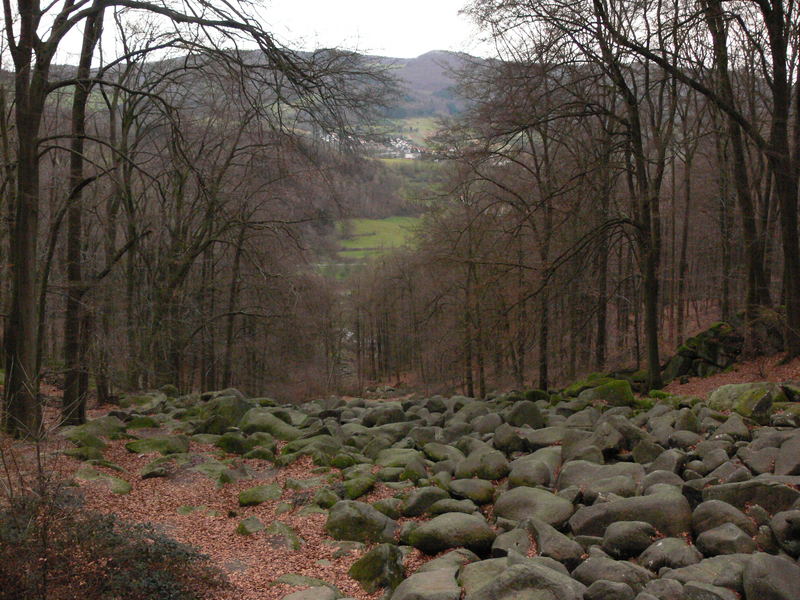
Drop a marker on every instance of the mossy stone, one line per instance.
(381, 567)
(249, 526)
(259, 494)
(85, 453)
(358, 486)
(170, 444)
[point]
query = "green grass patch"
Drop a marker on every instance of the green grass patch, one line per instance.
(363, 238)
(415, 129)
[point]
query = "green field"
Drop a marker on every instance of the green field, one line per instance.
(415, 129)
(361, 239)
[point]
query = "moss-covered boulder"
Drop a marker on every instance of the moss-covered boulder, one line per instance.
(220, 413)
(116, 484)
(358, 486)
(453, 530)
(143, 422)
(259, 494)
(591, 381)
(168, 444)
(87, 434)
(85, 453)
(233, 443)
(752, 400)
(280, 535)
(484, 463)
(381, 567)
(263, 419)
(359, 522)
(249, 526)
(615, 392)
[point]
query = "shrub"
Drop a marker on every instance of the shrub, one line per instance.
(52, 549)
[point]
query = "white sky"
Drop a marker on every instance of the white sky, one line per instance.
(399, 28)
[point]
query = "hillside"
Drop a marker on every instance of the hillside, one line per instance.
(428, 81)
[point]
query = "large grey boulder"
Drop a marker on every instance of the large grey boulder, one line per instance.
(785, 527)
(669, 513)
(751, 400)
(474, 576)
(530, 582)
(522, 502)
(453, 530)
(421, 499)
(359, 522)
(669, 552)
(525, 413)
(381, 567)
(263, 419)
(768, 577)
(552, 543)
(609, 590)
(484, 463)
(627, 539)
(725, 539)
(713, 513)
(787, 461)
(620, 571)
(429, 585)
(770, 494)
(479, 491)
(536, 468)
(725, 571)
(453, 560)
(582, 473)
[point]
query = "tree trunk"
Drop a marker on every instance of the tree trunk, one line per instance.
(233, 298)
(74, 403)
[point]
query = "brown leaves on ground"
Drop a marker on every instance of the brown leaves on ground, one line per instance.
(764, 368)
(251, 563)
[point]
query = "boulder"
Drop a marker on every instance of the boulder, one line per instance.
(453, 530)
(263, 419)
(609, 590)
(429, 585)
(522, 502)
(787, 461)
(772, 495)
(620, 571)
(359, 522)
(484, 463)
(552, 543)
(669, 552)
(751, 400)
(768, 577)
(421, 499)
(525, 413)
(259, 494)
(532, 581)
(669, 513)
(168, 444)
(616, 392)
(479, 491)
(725, 571)
(381, 567)
(627, 539)
(725, 539)
(713, 513)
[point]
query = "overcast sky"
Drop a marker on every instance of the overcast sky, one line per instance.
(404, 28)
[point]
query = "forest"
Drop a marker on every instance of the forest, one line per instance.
(538, 308)
(623, 176)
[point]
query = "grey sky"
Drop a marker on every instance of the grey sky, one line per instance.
(405, 28)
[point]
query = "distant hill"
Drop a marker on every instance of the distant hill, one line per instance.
(428, 82)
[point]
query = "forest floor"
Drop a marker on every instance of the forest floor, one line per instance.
(763, 368)
(192, 509)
